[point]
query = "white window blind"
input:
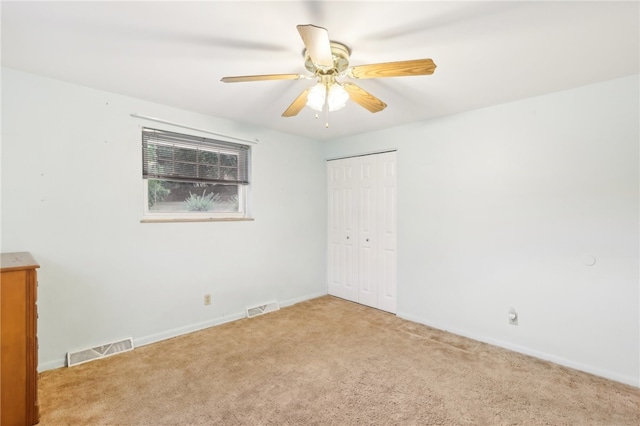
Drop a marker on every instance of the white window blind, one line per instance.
(179, 157)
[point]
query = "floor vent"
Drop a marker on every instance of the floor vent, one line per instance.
(86, 355)
(262, 309)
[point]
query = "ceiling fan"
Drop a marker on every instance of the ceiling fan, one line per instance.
(328, 61)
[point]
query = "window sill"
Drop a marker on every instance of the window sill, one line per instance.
(195, 219)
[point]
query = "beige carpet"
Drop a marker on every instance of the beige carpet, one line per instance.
(329, 362)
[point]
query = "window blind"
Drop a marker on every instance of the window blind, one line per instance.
(175, 156)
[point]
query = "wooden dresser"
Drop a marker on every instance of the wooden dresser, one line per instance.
(18, 340)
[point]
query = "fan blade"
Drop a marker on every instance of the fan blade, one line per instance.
(316, 41)
(364, 98)
(297, 105)
(394, 69)
(241, 78)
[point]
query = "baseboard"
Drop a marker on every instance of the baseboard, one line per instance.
(158, 337)
(629, 380)
(191, 328)
(179, 331)
(302, 299)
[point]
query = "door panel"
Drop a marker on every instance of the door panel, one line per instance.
(368, 279)
(367, 227)
(387, 233)
(350, 283)
(368, 283)
(336, 271)
(387, 299)
(343, 267)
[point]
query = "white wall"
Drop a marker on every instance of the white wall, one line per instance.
(72, 196)
(505, 207)
(497, 208)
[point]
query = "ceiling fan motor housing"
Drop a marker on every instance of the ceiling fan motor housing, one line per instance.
(340, 53)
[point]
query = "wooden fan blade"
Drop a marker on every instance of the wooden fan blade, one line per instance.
(364, 98)
(316, 41)
(297, 105)
(394, 69)
(241, 78)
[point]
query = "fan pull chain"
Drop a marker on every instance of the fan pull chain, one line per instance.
(326, 107)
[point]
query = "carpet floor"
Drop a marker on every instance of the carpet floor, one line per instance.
(329, 362)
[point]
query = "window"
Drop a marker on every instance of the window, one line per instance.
(193, 178)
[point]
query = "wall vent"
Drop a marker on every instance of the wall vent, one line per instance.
(253, 311)
(103, 351)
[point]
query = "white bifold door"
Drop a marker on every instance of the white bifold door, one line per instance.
(362, 229)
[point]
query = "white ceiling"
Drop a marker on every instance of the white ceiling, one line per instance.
(175, 53)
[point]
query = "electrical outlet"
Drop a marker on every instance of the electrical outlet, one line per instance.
(207, 299)
(513, 317)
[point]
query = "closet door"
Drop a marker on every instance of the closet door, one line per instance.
(367, 202)
(343, 231)
(387, 232)
(362, 230)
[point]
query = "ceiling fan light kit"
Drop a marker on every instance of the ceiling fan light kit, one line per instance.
(322, 96)
(329, 60)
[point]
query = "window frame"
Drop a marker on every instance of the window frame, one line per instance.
(197, 216)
